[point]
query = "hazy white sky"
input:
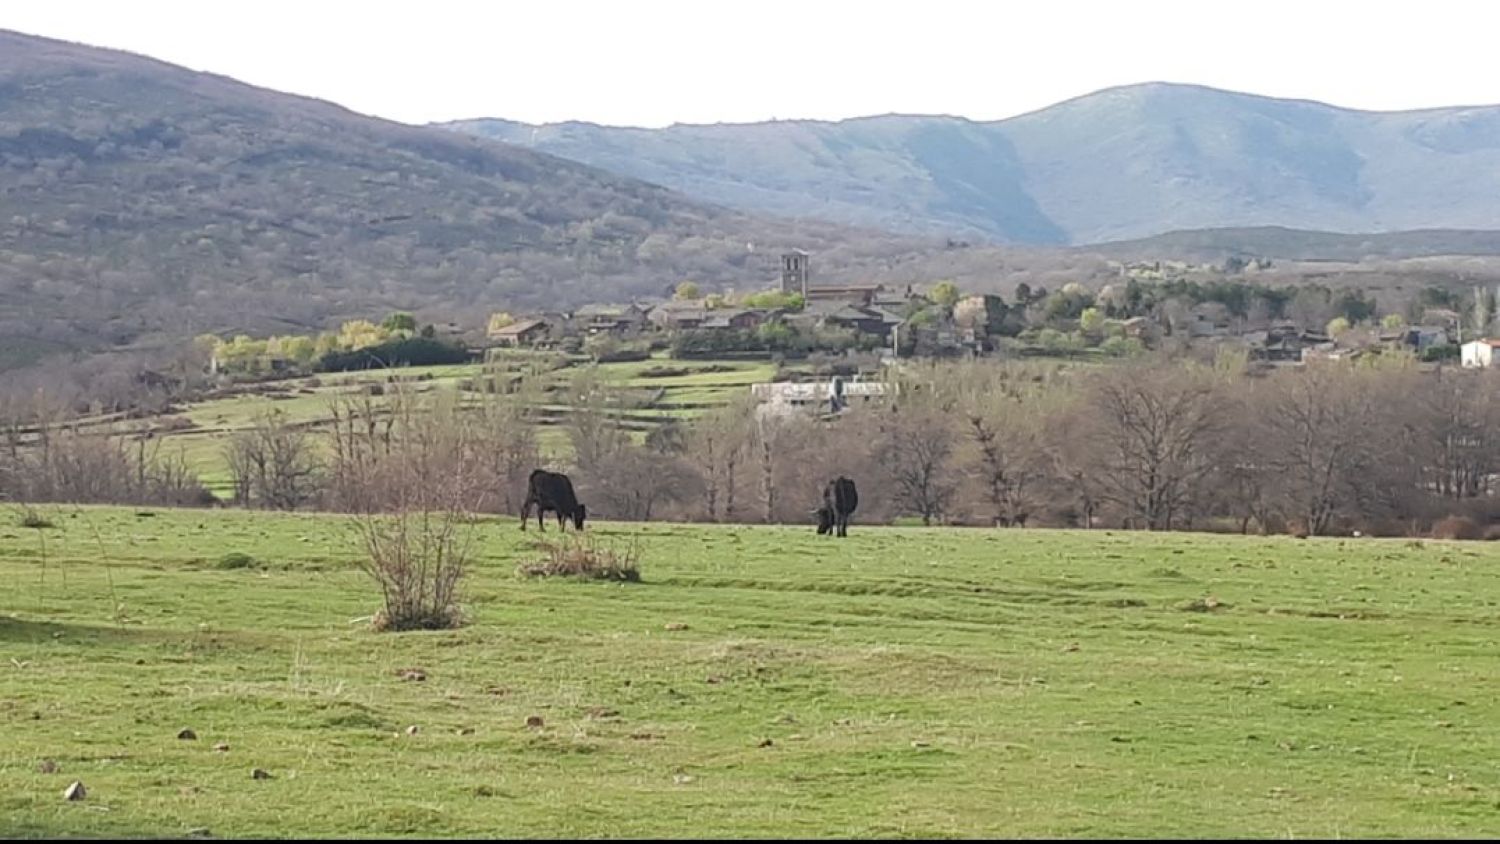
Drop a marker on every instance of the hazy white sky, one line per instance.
(656, 62)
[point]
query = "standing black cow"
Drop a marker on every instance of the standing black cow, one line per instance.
(552, 491)
(839, 500)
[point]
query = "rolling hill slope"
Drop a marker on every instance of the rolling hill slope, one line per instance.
(143, 199)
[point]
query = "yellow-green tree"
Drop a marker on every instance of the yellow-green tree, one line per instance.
(1091, 321)
(300, 350)
(946, 294)
(325, 343)
(360, 334)
(688, 290)
(499, 320)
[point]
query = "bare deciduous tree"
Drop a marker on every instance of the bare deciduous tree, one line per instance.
(916, 445)
(1154, 426)
(272, 464)
(1321, 440)
(1005, 459)
(716, 447)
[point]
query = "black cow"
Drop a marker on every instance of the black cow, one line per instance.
(839, 500)
(552, 491)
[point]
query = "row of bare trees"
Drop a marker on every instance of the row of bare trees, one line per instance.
(1160, 446)
(1155, 445)
(46, 456)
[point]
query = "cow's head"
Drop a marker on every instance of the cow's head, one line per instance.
(825, 519)
(578, 515)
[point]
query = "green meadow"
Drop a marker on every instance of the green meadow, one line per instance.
(759, 682)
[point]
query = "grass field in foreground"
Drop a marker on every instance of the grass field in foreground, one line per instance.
(900, 682)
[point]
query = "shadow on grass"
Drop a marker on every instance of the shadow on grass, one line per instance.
(20, 630)
(17, 829)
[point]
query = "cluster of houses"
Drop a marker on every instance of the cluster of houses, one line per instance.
(1286, 342)
(867, 309)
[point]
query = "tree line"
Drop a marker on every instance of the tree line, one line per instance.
(1330, 448)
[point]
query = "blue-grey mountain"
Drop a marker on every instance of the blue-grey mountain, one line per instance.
(1121, 163)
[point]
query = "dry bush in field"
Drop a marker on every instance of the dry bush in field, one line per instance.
(408, 469)
(586, 557)
(1457, 527)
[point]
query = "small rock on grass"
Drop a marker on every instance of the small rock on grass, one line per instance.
(259, 774)
(676, 625)
(412, 730)
(47, 767)
(416, 674)
(187, 735)
(534, 722)
(765, 743)
(76, 791)
(222, 747)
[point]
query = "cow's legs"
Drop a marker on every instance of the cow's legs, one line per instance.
(525, 512)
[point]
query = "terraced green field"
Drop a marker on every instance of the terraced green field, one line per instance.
(760, 681)
(203, 428)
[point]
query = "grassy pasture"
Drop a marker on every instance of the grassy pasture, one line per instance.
(900, 682)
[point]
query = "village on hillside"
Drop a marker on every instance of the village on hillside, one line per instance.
(937, 320)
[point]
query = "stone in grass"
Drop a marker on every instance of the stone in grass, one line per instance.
(47, 767)
(416, 674)
(76, 791)
(534, 722)
(222, 747)
(259, 774)
(412, 730)
(187, 735)
(676, 625)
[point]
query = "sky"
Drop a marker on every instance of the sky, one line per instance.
(657, 62)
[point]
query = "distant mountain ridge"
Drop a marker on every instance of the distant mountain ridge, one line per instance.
(1122, 163)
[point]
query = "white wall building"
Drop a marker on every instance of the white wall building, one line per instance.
(1479, 353)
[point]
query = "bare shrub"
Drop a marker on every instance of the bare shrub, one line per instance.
(408, 470)
(1492, 533)
(586, 557)
(1456, 527)
(418, 558)
(48, 457)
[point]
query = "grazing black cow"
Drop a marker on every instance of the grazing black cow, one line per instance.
(552, 491)
(839, 500)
